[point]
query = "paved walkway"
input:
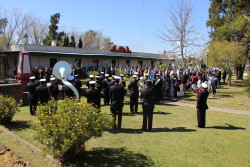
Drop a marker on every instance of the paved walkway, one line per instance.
(228, 110)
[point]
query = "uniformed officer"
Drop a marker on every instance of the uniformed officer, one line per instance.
(91, 78)
(93, 96)
(123, 81)
(53, 88)
(117, 93)
(98, 83)
(78, 85)
(147, 95)
(43, 92)
(157, 86)
(105, 89)
(202, 106)
(134, 94)
(32, 96)
(146, 78)
(67, 92)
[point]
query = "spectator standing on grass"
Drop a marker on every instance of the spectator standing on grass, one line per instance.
(202, 106)
(214, 85)
(224, 76)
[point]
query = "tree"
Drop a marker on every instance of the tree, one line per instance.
(72, 42)
(37, 31)
(53, 34)
(95, 40)
(66, 41)
(229, 20)
(80, 44)
(226, 54)
(181, 34)
(3, 24)
(16, 29)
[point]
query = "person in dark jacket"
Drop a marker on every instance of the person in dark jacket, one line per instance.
(123, 81)
(134, 94)
(157, 86)
(147, 95)
(202, 106)
(116, 94)
(78, 85)
(43, 92)
(91, 78)
(53, 88)
(32, 96)
(105, 89)
(67, 92)
(93, 96)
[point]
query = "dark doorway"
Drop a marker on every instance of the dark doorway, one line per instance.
(113, 63)
(128, 62)
(140, 63)
(52, 61)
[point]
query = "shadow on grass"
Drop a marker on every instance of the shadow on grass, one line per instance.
(139, 131)
(18, 125)
(225, 96)
(110, 157)
(227, 127)
(140, 113)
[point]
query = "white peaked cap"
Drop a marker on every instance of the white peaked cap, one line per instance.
(42, 80)
(91, 76)
(136, 73)
(97, 76)
(146, 74)
(70, 78)
(134, 76)
(106, 75)
(204, 85)
(92, 82)
(117, 78)
(102, 72)
(32, 77)
(53, 78)
(121, 75)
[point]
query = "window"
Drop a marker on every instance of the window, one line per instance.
(152, 63)
(96, 62)
(140, 63)
(113, 63)
(128, 62)
(52, 62)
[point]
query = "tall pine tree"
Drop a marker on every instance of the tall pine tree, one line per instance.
(80, 44)
(53, 34)
(72, 42)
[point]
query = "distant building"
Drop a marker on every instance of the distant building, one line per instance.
(47, 56)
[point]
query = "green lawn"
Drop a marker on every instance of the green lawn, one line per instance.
(174, 140)
(234, 97)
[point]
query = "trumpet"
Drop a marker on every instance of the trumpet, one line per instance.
(140, 84)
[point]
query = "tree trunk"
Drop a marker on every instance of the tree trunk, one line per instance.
(240, 71)
(229, 77)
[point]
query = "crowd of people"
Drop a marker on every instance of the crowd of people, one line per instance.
(148, 84)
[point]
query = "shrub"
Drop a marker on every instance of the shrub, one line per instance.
(65, 125)
(95, 73)
(8, 108)
(246, 83)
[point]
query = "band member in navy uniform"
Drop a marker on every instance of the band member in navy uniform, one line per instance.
(134, 94)
(32, 96)
(202, 106)
(93, 96)
(91, 78)
(105, 89)
(43, 92)
(53, 88)
(123, 81)
(157, 86)
(117, 93)
(78, 85)
(67, 92)
(147, 95)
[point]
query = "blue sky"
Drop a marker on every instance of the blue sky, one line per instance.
(132, 23)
